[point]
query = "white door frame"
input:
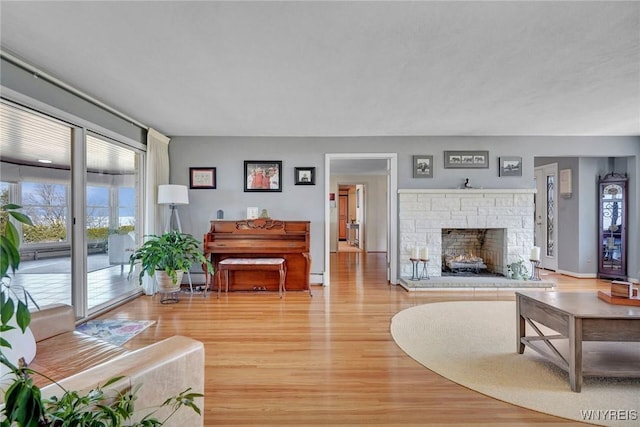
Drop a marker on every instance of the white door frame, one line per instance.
(541, 173)
(392, 210)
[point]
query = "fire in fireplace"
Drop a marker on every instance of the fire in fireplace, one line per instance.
(464, 263)
(472, 251)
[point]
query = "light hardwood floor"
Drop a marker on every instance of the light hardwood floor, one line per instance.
(326, 360)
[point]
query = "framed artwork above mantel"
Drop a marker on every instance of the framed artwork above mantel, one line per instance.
(422, 166)
(471, 159)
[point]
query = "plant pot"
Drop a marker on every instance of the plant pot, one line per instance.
(165, 283)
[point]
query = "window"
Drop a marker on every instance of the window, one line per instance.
(126, 208)
(36, 170)
(97, 213)
(46, 204)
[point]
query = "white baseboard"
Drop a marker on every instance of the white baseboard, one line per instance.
(578, 275)
(591, 276)
(316, 279)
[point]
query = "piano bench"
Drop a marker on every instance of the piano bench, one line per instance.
(237, 264)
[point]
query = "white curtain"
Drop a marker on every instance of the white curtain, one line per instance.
(157, 173)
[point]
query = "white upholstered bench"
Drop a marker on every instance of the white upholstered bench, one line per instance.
(237, 264)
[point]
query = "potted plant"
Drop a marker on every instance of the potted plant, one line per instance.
(169, 256)
(22, 404)
(14, 299)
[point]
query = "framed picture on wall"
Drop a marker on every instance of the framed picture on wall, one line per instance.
(262, 175)
(305, 176)
(202, 178)
(422, 166)
(466, 159)
(510, 166)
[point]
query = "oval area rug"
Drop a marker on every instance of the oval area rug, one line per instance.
(473, 343)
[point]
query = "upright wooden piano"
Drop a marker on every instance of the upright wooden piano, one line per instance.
(261, 238)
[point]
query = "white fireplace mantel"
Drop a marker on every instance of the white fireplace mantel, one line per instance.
(468, 190)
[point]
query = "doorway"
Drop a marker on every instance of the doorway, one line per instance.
(378, 171)
(343, 216)
(351, 218)
(546, 218)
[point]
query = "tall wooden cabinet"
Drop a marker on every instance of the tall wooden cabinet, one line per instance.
(612, 230)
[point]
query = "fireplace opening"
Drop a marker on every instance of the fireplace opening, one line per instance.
(473, 252)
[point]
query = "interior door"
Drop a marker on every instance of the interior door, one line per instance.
(343, 213)
(546, 220)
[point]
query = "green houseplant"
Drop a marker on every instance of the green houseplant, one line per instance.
(23, 405)
(169, 256)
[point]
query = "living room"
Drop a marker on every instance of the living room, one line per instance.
(293, 83)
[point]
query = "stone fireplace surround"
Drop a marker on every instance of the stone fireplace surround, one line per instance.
(423, 213)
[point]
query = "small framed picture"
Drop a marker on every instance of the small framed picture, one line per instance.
(202, 178)
(466, 159)
(262, 175)
(422, 166)
(510, 166)
(305, 176)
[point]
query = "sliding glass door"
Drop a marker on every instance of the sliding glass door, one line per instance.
(83, 193)
(35, 154)
(112, 219)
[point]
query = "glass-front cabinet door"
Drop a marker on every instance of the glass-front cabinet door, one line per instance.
(612, 251)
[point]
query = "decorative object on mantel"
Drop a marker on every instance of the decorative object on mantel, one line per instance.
(264, 213)
(466, 159)
(467, 184)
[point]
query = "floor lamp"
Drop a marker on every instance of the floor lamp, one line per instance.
(174, 195)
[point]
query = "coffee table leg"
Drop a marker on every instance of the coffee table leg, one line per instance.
(575, 354)
(520, 330)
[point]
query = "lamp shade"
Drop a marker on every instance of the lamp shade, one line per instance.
(173, 195)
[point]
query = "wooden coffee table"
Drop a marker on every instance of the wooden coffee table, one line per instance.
(578, 317)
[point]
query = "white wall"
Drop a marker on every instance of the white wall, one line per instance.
(307, 202)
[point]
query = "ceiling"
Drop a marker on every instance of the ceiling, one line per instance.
(324, 68)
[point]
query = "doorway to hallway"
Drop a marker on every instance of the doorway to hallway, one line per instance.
(377, 173)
